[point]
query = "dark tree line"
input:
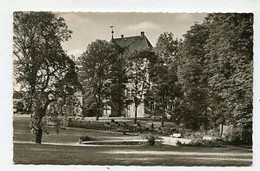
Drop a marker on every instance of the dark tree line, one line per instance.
(215, 74)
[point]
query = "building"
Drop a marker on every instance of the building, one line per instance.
(123, 43)
(138, 43)
(19, 104)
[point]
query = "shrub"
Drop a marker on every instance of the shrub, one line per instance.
(204, 143)
(178, 143)
(88, 124)
(86, 138)
(237, 135)
(151, 138)
(191, 135)
(213, 132)
(232, 135)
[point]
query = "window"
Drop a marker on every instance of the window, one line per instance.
(152, 106)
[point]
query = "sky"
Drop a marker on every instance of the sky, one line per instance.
(87, 27)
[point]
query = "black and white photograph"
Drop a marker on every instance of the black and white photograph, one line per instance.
(132, 88)
(114, 85)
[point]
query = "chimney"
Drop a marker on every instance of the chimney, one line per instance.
(122, 36)
(142, 33)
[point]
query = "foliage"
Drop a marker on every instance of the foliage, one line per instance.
(87, 125)
(86, 138)
(59, 111)
(203, 143)
(203, 81)
(163, 75)
(41, 66)
(99, 76)
(167, 47)
(237, 135)
(125, 127)
(151, 138)
(192, 77)
(230, 54)
(138, 74)
(215, 70)
(117, 87)
(19, 107)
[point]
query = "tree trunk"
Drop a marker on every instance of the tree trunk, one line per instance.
(38, 136)
(97, 117)
(37, 126)
(163, 116)
(136, 114)
(206, 122)
(206, 127)
(38, 115)
(221, 130)
(162, 122)
(163, 111)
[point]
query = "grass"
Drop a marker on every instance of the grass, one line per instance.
(51, 154)
(127, 125)
(22, 133)
(105, 155)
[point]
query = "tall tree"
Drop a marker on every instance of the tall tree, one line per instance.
(163, 74)
(117, 87)
(230, 52)
(40, 65)
(97, 67)
(192, 77)
(166, 47)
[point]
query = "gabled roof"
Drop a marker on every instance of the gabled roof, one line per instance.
(133, 43)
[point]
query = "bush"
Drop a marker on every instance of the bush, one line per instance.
(213, 133)
(151, 138)
(87, 124)
(204, 143)
(86, 138)
(128, 126)
(178, 143)
(236, 135)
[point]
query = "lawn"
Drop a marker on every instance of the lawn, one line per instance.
(60, 153)
(70, 135)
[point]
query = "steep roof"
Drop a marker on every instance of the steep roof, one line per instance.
(133, 43)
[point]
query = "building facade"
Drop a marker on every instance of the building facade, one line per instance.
(136, 43)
